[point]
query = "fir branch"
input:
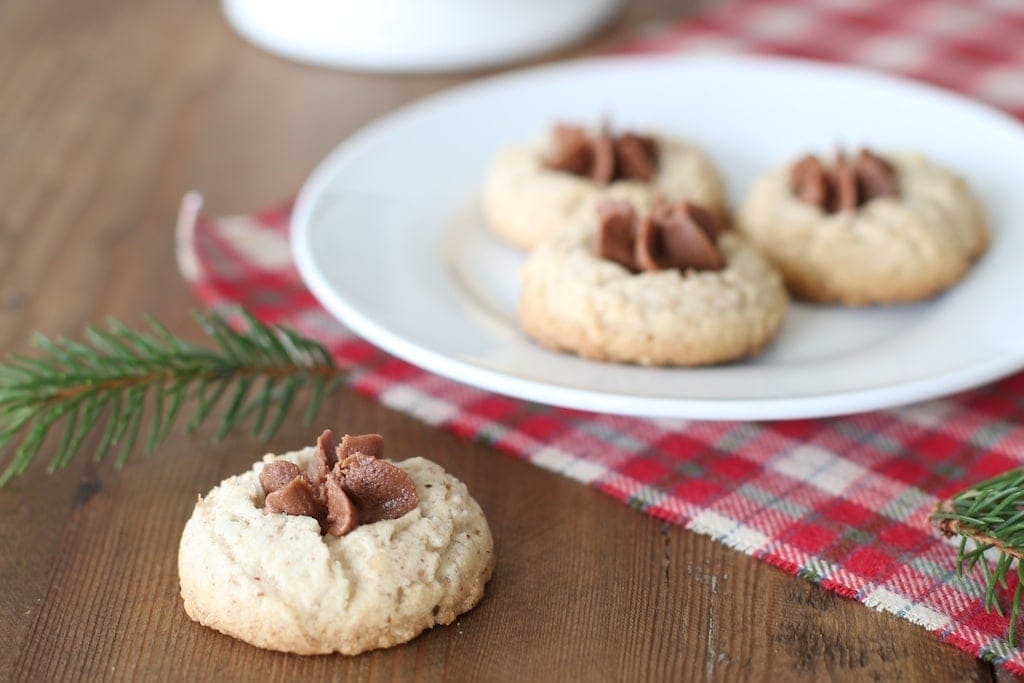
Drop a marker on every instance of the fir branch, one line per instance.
(990, 516)
(118, 376)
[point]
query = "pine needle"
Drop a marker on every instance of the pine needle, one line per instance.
(118, 376)
(990, 516)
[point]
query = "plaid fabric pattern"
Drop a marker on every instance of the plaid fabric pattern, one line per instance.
(843, 502)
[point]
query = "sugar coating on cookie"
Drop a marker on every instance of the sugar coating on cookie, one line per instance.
(526, 202)
(572, 300)
(273, 580)
(890, 249)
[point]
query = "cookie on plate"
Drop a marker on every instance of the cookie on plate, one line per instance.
(662, 285)
(323, 550)
(865, 229)
(533, 190)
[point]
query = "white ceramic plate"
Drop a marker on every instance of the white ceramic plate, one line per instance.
(388, 236)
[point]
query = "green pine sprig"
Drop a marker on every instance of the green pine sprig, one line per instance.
(990, 516)
(111, 380)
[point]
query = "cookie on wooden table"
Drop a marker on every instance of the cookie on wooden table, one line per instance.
(656, 286)
(334, 550)
(866, 228)
(533, 190)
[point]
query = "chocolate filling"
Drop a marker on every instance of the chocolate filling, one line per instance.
(682, 236)
(846, 185)
(343, 488)
(295, 498)
(603, 157)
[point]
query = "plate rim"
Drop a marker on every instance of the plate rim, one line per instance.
(828, 404)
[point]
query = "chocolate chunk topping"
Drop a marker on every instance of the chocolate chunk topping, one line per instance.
(278, 474)
(603, 170)
(324, 459)
(571, 150)
(360, 489)
(379, 489)
(367, 444)
(810, 182)
(847, 185)
(875, 176)
(678, 237)
(705, 220)
(342, 516)
(636, 156)
(617, 235)
(846, 198)
(681, 236)
(296, 498)
(602, 157)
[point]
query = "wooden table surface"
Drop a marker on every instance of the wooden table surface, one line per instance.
(109, 111)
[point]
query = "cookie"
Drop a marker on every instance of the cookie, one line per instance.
(577, 298)
(868, 229)
(526, 199)
(285, 582)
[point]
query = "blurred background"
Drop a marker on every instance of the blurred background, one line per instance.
(112, 110)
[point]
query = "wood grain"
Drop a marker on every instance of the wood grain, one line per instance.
(110, 111)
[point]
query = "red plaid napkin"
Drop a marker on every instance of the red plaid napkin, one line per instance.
(842, 502)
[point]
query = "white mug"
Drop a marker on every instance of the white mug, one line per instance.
(415, 35)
